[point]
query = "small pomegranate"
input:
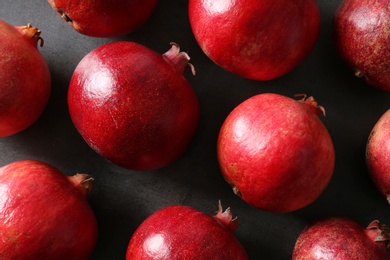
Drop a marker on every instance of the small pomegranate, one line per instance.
(378, 155)
(343, 239)
(256, 39)
(25, 78)
(104, 18)
(133, 106)
(275, 152)
(362, 35)
(181, 232)
(44, 214)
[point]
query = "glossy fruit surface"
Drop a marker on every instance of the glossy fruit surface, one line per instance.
(104, 18)
(362, 35)
(44, 214)
(256, 39)
(133, 106)
(181, 232)
(378, 154)
(342, 239)
(25, 78)
(275, 152)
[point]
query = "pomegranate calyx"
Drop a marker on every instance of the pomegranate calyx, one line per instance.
(311, 103)
(32, 33)
(379, 232)
(82, 182)
(226, 218)
(179, 60)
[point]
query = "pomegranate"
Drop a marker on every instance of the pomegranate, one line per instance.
(104, 18)
(182, 232)
(44, 214)
(256, 39)
(362, 36)
(378, 154)
(133, 106)
(25, 78)
(343, 239)
(275, 152)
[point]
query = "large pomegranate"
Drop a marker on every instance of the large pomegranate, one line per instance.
(25, 78)
(362, 35)
(275, 152)
(44, 214)
(182, 232)
(378, 154)
(256, 39)
(133, 106)
(342, 239)
(104, 18)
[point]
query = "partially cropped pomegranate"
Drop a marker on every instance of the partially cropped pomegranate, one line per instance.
(362, 35)
(342, 239)
(25, 78)
(256, 39)
(133, 106)
(275, 152)
(104, 18)
(44, 214)
(181, 232)
(378, 155)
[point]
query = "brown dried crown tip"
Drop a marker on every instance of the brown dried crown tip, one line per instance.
(31, 32)
(312, 104)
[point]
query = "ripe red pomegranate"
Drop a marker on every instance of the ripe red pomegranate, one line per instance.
(104, 18)
(378, 154)
(44, 214)
(256, 39)
(182, 232)
(25, 78)
(275, 152)
(362, 36)
(133, 106)
(342, 239)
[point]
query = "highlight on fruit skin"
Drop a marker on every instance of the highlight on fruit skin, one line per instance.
(24, 95)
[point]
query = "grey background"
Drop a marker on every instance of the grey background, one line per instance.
(122, 199)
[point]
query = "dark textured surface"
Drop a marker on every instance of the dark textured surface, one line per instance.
(123, 199)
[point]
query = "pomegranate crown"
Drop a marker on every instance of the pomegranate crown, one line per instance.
(31, 33)
(179, 60)
(380, 232)
(226, 218)
(312, 104)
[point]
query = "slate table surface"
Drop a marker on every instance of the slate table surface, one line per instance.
(122, 199)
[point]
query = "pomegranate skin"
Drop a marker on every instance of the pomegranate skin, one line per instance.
(256, 39)
(25, 78)
(342, 239)
(275, 152)
(378, 154)
(104, 18)
(362, 36)
(133, 106)
(44, 214)
(181, 232)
